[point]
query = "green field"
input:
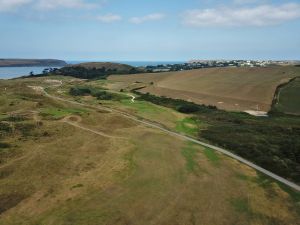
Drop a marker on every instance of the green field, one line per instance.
(288, 99)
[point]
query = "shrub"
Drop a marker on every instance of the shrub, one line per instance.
(103, 95)
(16, 118)
(187, 108)
(4, 145)
(80, 91)
(5, 127)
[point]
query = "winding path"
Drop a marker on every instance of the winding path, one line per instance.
(184, 137)
(90, 130)
(75, 124)
(132, 97)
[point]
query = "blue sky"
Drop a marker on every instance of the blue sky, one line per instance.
(155, 30)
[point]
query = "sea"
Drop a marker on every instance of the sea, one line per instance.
(14, 72)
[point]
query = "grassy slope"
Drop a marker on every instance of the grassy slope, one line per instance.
(71, 176)
(288, 99)
(270, 142)
(226, 88)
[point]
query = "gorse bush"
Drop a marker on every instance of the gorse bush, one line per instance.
(187, 108)
(177, 104)
(80, 91)
(91, 73)
(84, 73)
(99, 94)
(103, 95)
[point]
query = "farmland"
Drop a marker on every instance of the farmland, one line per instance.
(64, 163)
(234, 89)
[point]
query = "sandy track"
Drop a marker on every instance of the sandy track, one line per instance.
(132, 98)
(69, 120)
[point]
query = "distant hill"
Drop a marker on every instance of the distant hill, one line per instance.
(98, 70)
(107, 65)
(31, 62)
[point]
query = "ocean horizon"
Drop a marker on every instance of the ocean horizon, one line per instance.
(15, 72)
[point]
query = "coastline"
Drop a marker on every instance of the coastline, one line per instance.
(16, 72)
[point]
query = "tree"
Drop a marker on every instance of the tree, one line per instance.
(45, 71)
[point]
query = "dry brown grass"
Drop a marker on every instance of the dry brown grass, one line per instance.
(227, 88)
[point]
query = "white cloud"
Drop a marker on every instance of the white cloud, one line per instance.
(11, 5)
(150, 17)
(109, 18)
(262, 15)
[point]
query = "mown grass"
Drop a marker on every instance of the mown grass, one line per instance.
(150, 111)
(142, 106)
(59, 113)
(212, 156)
(241, 205)
(187, 126)
(189, 152)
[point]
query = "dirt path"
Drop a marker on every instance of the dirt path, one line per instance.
(90, 130)
(257, 113)
(74, 120)
(132, 98)
(54, 83)
(184, 137)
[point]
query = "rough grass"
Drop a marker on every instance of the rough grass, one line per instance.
(267, 183)
(71, 176)
(242, 177)
(3, 116)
